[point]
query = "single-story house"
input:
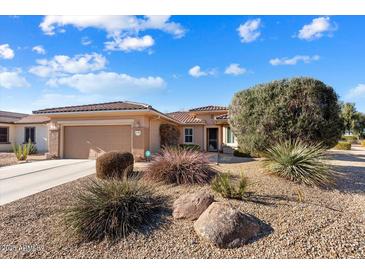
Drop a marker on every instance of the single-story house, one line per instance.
(19, 128)
(86, 131)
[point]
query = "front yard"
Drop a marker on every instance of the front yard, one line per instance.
(8, 158)
(323, 224)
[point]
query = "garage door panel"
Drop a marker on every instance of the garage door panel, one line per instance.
(83, 142)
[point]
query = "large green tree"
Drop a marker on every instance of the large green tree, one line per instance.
(359, 127)
(297, 108)
(349, 116)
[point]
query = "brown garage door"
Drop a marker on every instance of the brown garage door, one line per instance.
(87, 142)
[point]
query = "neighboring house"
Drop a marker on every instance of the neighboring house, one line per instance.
(87, 131)
(18, 128)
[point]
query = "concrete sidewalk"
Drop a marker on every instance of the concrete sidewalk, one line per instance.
(22, 180)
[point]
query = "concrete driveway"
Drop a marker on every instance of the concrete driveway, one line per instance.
(22, 180)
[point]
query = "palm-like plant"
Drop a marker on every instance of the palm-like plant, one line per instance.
(299, 162)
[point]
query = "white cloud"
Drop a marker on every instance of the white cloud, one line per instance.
(249, 31)
(108, 82)
(53, 99)
(130, 43)
(85, 41)
(113, 24)
(12, 79)
(235, 69)
(294, 60)
(197, 72)
(358, 91)
(39, 49)
(6, 52)
(317, 28)
(61, 64)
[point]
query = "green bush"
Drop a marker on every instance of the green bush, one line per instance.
(228, 186)
(32, 148)
(302, 108)
(298, 162)
(239, 153)
(175, 165)
(21, 151)
(112, 209)
(363, 143)
(350, 139)
(343, 146)
(114, 165)
(190, 146)
(169, 135)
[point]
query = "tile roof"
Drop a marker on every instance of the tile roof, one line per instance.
(209, 108)
(185, 117)
(119, 105)
(222, 117)
(10, 117)
(33, 119)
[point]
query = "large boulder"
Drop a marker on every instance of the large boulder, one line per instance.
(225, 227)
(191, 206)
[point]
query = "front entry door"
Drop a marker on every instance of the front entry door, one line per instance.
(212, 134)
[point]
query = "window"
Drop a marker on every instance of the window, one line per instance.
(29, 134)
(188, 136)
(229, 136)
(4, 135)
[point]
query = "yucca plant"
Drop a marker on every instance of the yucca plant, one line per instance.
(21, 151)
(113, 209)
(230, 187)
(176, 165)
(298, 162)
(32, 148)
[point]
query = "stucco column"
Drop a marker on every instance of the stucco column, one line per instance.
(54, 140)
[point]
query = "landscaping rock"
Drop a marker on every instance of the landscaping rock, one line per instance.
(191, 206)
(225, 227)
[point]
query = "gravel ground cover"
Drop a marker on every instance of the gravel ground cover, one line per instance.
(324, 224)
(8, 158)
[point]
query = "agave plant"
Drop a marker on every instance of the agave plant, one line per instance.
(21, 151)
(299, 162)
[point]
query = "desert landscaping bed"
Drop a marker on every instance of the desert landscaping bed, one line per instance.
(8, 158)
(325, 224)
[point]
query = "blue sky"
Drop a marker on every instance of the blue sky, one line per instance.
(172, 63)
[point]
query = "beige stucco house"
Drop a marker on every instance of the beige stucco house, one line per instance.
(87, 131)
(19, 128)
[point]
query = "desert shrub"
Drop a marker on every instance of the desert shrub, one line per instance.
(350, 139)
(169, 135)
(21, 151)
(190, 146)
(229, 187)
(302, 108)
(32, 148)
(114, 165)
(298, 162)
(112, 209)
(363, 143)
(179, 166)
(343, 146)
(239, 153)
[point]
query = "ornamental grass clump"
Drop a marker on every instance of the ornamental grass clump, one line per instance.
(175, 165)
(229, 186)
(113, 209)
(299, 162)
(343, 146)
